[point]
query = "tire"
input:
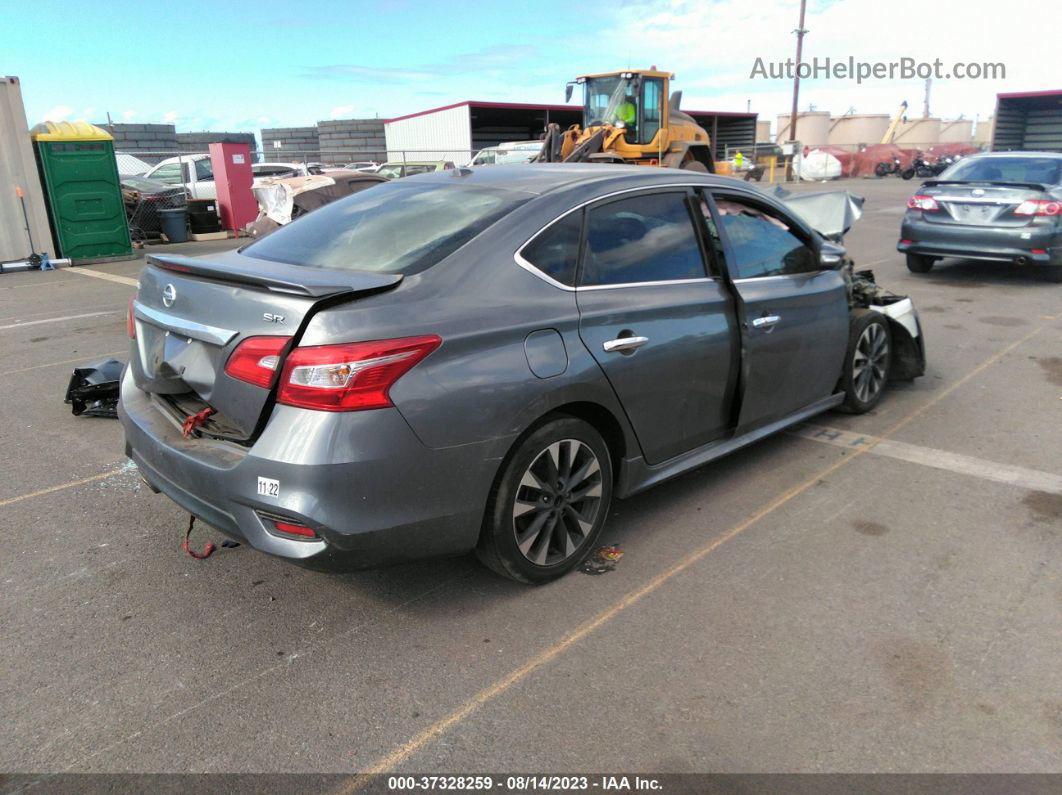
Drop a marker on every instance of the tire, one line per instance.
(524, 496)
(694, 165)
(867, 361)
(1053, 273)
(919, 263)
(907, 173)
(881, 169)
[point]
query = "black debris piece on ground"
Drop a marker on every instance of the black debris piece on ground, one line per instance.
(603, 560)
(93, 389)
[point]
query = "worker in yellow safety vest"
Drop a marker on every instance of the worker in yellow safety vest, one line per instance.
(738, 160)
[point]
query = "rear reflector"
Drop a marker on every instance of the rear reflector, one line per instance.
(255, 360)
(924, 203)
(130, 321)
(352, 376)
(1039, 207)
(906, 242)
(1038, 251)
(291, 529)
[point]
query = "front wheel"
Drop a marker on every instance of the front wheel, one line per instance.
(907, 173)
(881, 169)
(549, 503)
(695, 165)
(867, 361)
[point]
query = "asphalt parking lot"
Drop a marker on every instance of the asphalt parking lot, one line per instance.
(821, 601)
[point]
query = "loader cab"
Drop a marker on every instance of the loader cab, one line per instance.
(634, 101)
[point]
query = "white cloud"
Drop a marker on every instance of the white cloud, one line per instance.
(264, 120)
(58, 113)
(713, 46)
(341, 112)
(88, 112)
(170, 116)
(129, 114)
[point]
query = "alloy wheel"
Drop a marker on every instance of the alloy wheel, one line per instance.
(869, 362)
(557, 502)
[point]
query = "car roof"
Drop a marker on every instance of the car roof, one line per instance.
(1051, 155)
(540, 178)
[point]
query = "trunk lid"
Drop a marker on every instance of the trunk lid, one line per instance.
(981, 203)
(192, 313)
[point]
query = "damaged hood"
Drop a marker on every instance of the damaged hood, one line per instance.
(276, 197)
(830, 213)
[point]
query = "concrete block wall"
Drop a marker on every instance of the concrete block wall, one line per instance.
(300, 141)
(142, 137)
(198, 141)
(361, 139)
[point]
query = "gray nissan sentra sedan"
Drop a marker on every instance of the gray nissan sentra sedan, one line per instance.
(483, 359)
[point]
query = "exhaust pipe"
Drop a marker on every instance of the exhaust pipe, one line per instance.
(1021, 261)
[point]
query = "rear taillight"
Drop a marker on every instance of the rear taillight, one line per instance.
(352, 376)
(255, 360)
(924, 203)
(1039, 207)
(130, 320)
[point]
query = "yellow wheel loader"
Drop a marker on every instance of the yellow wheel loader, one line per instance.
(629, 117)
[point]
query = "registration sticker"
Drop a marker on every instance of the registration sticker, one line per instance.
(268, 487)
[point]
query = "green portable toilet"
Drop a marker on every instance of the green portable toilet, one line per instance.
(82, 191)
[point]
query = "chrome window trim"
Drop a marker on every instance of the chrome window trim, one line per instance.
(518, 256)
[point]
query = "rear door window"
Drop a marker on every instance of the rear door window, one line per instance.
(761, 242)
(203, 169)
(644, 238)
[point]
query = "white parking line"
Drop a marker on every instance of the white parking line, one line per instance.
(931, 457)
(57, 319)
(101, 275)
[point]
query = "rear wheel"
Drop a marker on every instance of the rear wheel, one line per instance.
(907, 173)
(549, 504)
(866, 365)
(695, 165)
(919, 263)
(881, 169)
(1053, 273)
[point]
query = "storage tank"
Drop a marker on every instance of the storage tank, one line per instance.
(918, 132)
(763, 130)
(813, 127)
(956, 131)
(857, 128)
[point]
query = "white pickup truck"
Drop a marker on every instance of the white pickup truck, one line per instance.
(197, 175)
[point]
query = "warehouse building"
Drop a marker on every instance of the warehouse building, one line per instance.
(456, 132)
(1029, 120)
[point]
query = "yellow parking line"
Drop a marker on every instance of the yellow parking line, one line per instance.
(422, 738)
(60, 487)
(80, 271)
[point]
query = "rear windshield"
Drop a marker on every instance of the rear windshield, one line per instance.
(1006, 169)
(398, 227)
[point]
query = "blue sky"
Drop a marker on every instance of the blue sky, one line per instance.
(242, 66)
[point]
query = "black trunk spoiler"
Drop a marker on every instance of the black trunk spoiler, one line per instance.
(279, 277)
(932, 183)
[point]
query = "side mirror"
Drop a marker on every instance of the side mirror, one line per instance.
(568, 92)
(832, 256)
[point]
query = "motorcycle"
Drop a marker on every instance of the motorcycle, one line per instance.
(884, 168)
(922, 168)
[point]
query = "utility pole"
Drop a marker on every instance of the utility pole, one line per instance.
(800, 32)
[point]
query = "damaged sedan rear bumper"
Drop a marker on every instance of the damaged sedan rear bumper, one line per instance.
(369, 490)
